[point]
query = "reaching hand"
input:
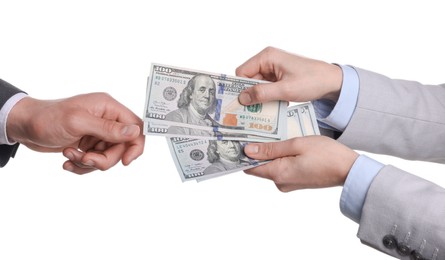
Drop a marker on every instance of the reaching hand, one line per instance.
(93, 131)
(294, 78)
(302, 162)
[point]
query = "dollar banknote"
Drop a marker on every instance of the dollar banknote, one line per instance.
(202, 159)
(199, 159)
(182, 100)
(159, 128)
(301, 120)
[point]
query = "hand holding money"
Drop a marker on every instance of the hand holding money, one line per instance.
(206, 126)
(295, 163)
(201, 159)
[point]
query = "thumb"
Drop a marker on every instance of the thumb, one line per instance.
(273, 150)
(110, 130)
(263, 92)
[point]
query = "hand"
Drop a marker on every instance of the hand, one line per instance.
(294, 78)
(302, 162)
(93, 131)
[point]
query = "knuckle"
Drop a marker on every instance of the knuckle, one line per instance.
(287, 89)
(282, 188)
(278, 179)
(103, 168)
(72, 121)
(238, 71)
(103, 94)
(72, 117)
(295, 142)
(257, 93)
(101, 165)
(109, 126)
(269, 50)
(268, 150)
(282, 174)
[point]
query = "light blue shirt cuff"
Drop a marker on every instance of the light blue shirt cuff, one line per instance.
(356, 186)
(336, 116)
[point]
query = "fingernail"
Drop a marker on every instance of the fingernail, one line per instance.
(69, 168)
(244, 98)
(89, 163)
(70, 156)
(129, 161)
(129, 130)
(251, 149)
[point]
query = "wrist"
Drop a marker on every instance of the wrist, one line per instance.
(18, 118)
(334, 78)
(348, 160)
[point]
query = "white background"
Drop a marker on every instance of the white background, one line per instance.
(56, 49)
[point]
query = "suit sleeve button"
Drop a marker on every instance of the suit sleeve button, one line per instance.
(403, 249)
(416, 255)
(389, 241)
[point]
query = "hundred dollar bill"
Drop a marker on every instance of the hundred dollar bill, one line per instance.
(301, 120)
(199, 159)
(159, 128)
(185, 99)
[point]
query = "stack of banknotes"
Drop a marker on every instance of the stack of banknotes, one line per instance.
(205, 125)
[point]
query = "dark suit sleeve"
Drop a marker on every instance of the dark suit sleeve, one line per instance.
(7, 91)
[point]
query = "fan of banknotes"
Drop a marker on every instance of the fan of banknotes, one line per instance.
(205, 125)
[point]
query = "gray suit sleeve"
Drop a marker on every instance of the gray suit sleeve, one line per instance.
(7, 91)
(402, 214)
(398, 117)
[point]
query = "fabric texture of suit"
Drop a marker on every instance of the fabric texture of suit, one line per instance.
(7, 91)
(403, 214)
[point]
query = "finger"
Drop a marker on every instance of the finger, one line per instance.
(262, 171)
(273, 150)
(77, 169)
(278, 171)
(101, 146)
(73, 154)
(104, 160)
(250, 68)
(134, 150)
(258, 76)
(74, 164)
(88, 142)
(260, 64)
(271, 170)
(109, 130)
(249, 72)
(92, 143)
(265, 92)
(263, 63)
